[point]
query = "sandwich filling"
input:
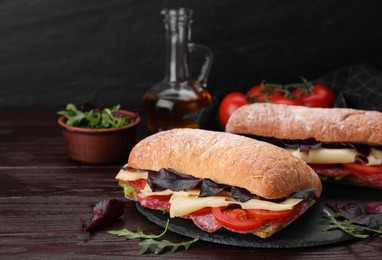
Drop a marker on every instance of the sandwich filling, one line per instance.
(337, 161)
(209, 205)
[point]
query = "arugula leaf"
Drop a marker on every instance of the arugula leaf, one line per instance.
(336, 220)
(139, 234)
(150, 240)
(128, 190)
(161, 245)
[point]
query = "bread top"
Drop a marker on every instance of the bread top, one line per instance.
(261, 168)
(299, 122)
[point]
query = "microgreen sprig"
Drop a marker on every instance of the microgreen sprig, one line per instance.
(162, 244)
(139, 234)
(336, 220)
(95, 117)
(151, 240)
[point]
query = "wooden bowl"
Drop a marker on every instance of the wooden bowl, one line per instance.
(99, 146)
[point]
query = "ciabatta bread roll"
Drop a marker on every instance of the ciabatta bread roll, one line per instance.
(227, 172)
(347, 141)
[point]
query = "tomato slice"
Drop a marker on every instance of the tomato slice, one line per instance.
(237, 220)
(200, 212)
(160, 197)
(363, 169)
(268, 214)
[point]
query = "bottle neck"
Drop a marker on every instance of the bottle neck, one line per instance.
(177, 24)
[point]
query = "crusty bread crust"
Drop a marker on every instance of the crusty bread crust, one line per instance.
(261, 168)
(298, 122)
(269, 230)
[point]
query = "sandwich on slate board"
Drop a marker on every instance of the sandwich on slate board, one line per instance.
(340, 144)
(219, 180)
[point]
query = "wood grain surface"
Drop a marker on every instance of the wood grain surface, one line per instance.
(44, 196)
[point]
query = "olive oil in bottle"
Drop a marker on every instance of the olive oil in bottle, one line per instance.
(178, 100)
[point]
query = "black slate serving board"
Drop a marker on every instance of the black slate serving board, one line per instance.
(304, 232)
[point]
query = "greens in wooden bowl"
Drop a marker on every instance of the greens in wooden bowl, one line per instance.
(98, 135)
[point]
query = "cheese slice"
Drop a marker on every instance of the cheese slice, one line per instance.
(375, 157)
(268, 205)
(126, 174)
(333, 156)
(183, 205)
(147, 191)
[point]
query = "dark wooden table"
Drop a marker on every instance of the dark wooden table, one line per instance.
(44, 195)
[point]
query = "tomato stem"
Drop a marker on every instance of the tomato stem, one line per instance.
(308, 86)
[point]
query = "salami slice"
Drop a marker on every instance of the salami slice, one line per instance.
(206, 222)
(373, 179)
(332, 172)
(154, 202)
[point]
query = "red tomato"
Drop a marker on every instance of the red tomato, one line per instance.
(279, 98)
(229, 104)
(363, 169)
(203, 211)
(268, 214)
(237, 220)
(319, 96)
(257, 94)
(160, 197)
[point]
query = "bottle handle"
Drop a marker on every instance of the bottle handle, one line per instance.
(207, 63)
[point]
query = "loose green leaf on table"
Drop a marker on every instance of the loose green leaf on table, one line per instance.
(151, 240)
(351, 220)
(139, 234)
(162, 244)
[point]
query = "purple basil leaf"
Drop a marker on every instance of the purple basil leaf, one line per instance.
(309, 144)
(363, 150)
(240, 194)
(284, 143)
(118, 114)
(351, 211)
(374, 207)
(303, 194)
(209, 188)
(105, 212)
(170, 179)
(333, 207)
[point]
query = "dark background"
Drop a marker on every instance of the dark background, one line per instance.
(53, 52)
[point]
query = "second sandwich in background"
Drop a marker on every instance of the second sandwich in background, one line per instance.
(341, 145)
